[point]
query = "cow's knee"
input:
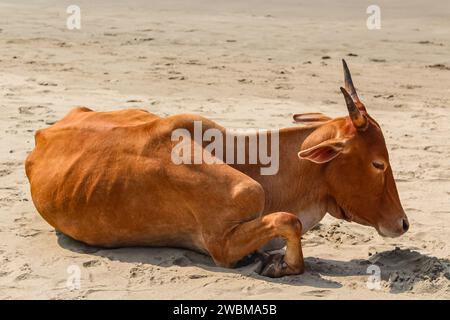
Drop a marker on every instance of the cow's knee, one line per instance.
(247, 199)
(287, 224)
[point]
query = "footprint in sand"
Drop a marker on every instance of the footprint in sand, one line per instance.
(25, 273)
(410, 86)
(377, 60)
(439, 66)
(427, 42)
(92, 263)
(245, 81)
(284, 86)
(317, 293)
(47, 83)
(5, 172)
(26, 233)
(34, 110)
(137, 271)
(337, 234)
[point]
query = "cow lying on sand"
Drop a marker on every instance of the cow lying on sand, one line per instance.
(108, 179)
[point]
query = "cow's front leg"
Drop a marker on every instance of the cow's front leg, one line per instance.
(249, 236)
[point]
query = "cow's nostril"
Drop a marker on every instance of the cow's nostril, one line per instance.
(405, 224)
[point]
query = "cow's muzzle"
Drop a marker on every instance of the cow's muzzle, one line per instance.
(395, 229)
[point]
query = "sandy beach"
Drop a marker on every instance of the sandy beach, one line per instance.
(243, 65)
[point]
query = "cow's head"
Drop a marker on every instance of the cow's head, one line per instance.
(354, 160)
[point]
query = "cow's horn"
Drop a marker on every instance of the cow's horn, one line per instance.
(351, 88)
(348, 82)
(358, 119)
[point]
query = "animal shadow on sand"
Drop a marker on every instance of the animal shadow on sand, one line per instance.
(401, 269)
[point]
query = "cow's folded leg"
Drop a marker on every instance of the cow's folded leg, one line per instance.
(249, 236)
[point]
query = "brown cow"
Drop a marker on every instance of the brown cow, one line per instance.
(108, 179)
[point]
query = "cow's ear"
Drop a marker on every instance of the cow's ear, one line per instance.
(324, 151)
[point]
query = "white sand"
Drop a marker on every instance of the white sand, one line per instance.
(243, 66)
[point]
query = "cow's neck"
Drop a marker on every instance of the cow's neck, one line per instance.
(299, 186)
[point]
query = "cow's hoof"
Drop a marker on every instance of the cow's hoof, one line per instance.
(253, 257)
(275, 267)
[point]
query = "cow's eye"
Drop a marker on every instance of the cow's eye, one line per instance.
(378, 164)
